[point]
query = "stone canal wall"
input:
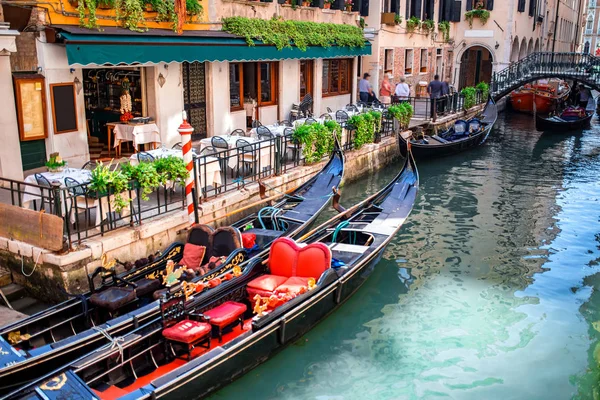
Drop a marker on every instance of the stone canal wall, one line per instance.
(46, 274)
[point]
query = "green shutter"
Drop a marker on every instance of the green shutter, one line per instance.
(33, 154)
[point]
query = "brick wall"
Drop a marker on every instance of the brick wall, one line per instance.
(416, 76)
(25, 59)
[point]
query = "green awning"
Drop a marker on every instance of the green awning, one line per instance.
(119, 47)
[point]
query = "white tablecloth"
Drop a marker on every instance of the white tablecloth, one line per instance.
(81, 176)
(138, 134)
(267, 151)
(276, 130)
(209, 166)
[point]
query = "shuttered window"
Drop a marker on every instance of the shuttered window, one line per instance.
(521, 6)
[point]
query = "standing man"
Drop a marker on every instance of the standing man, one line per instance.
(435, 91)
(364, 88)
(584, 96)
(445, 93)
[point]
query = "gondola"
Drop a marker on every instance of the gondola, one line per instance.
(196, 348)
(571, 119)
(463, 136)
(68, 330)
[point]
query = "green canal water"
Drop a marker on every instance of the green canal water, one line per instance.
(490, 291)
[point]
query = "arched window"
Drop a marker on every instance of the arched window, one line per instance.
(589, 26)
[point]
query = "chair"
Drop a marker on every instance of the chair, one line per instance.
(186, 329)
(326, 117)
(221, 144)
(177, 146)
(207, 151)
(288, 132)
(285, 122)
(79, 199)
(90, 165)
(474, 125)
(361, 104)
(45, 183)
(246, 153)
(228, 314)
(238, 132)
(112, 297)
(143, 156)
(329, 110)
(310, 121)
(351, 107)
(256, 123)
(292, 144)
(341, 117)
(262, 130)
(266, 136)
(306, 105)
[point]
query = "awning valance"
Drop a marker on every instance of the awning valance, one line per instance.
(122, 47)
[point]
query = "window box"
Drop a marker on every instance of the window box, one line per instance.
(407, 71)
(388, 18)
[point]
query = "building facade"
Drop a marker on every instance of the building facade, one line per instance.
(223, 83)
(591, 28)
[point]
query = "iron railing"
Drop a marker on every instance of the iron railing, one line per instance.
(427, 109)
(576, 66)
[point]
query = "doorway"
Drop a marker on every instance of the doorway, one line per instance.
(475, 66)
(194, 97)
(306, 77)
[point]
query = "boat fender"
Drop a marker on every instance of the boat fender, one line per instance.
(281, 335)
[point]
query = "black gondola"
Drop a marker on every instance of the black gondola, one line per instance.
(334, 260)
(564, 122)
(68, 330)
(463, 136)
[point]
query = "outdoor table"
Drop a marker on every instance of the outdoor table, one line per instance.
(276, 130)
(210, 168)
(265, 149)
(138, 134)
(82, 176)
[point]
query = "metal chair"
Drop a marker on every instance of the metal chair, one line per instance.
(220, 145)
(285, 122)
(238, 132)
(329, 110)
(326, 116)
(341, 117)
(90, 165)
(262, 130)
(256, 123)
(177, 146)
(310, 121)
(246, 154)
(351, 107)
(142, 156)
(207, 151)
(79, 200)
(45, 183)
(288, 132)
(266, 136)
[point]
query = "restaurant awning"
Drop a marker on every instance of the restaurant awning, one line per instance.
(118, 46)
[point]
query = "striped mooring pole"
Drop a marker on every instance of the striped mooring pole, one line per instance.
(185, 130)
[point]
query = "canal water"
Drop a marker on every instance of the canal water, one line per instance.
(490, 291)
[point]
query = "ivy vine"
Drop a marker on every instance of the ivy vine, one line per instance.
(302, 34)
(428, 26)
(480, 13)
(402, 112)
(365, 126)
(412, 24)
(317, 139)
(444, 28)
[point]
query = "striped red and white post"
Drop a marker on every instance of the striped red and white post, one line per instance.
(185, 130)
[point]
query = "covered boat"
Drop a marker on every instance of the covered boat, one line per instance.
(462, 136)
(202, 345)
(38, 344)
(547, 96)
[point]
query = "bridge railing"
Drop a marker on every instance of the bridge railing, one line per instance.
(546, 64)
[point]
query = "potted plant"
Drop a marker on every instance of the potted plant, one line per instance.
(327, 4)
(412, 24)
(104, 182)
(479, 12)
(305, 3)
(428, 26)
(397, 19)
(55, 163)
(348, 4)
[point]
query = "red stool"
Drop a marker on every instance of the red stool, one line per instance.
(226, 314)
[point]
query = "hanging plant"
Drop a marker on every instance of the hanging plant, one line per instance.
(317, 139)
(412, 24)
(480, 13)
(286, 33)
(444, 28)
(428, 26)
(397, 19)
(171, 168)
(104, 181)
(145, 175)
(484, 88)
(402, 112)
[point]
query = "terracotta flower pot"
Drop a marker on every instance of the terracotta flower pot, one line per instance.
(348, 8)
(327, 6)
(306, 4)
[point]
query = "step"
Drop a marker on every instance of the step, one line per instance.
(13, 292)
(28, 305)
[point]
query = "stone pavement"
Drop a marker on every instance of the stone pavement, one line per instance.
(8, 316)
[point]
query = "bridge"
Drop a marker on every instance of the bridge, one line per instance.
(584, 68)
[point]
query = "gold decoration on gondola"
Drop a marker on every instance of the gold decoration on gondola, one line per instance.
(55, 383)
(172, 275)
(107, 264)
(16, 337)
(311, 283)
(261, 304)
(237, 271)
(189, 288)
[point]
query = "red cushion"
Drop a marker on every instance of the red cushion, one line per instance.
(294, 284)
(187, 331)
(226, 313)
(249, 240)
(253, 292)
(192, 255)
(267, 283)
(288, 259)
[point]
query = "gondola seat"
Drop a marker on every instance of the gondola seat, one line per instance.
(220, 242)
(225, 315)
(146, 286)
(474, 125)
(187, 331)
(291, 266)
(113, 298)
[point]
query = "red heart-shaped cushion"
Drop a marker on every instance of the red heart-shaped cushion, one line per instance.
(288, 259)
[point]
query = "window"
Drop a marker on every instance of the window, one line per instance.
(336, 77)
(408, 62)
(423, 60)
(388, 63)
(521, 6)
(252, 82)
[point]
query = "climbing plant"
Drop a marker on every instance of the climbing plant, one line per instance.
(365, 126)
(480, 13)
(286, 33)
(427, 26)
(444, 28)
(412, 24)
(317, 139)
(469, 93)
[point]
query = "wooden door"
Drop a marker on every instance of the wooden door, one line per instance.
(306, 78)
(194, 97)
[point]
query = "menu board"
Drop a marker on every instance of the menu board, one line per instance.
(64, 108)
(31, 107)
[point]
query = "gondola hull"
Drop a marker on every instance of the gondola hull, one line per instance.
(555, 125)
(427, 151)
(51, 356)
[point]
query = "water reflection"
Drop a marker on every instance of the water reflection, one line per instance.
(480, 296)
